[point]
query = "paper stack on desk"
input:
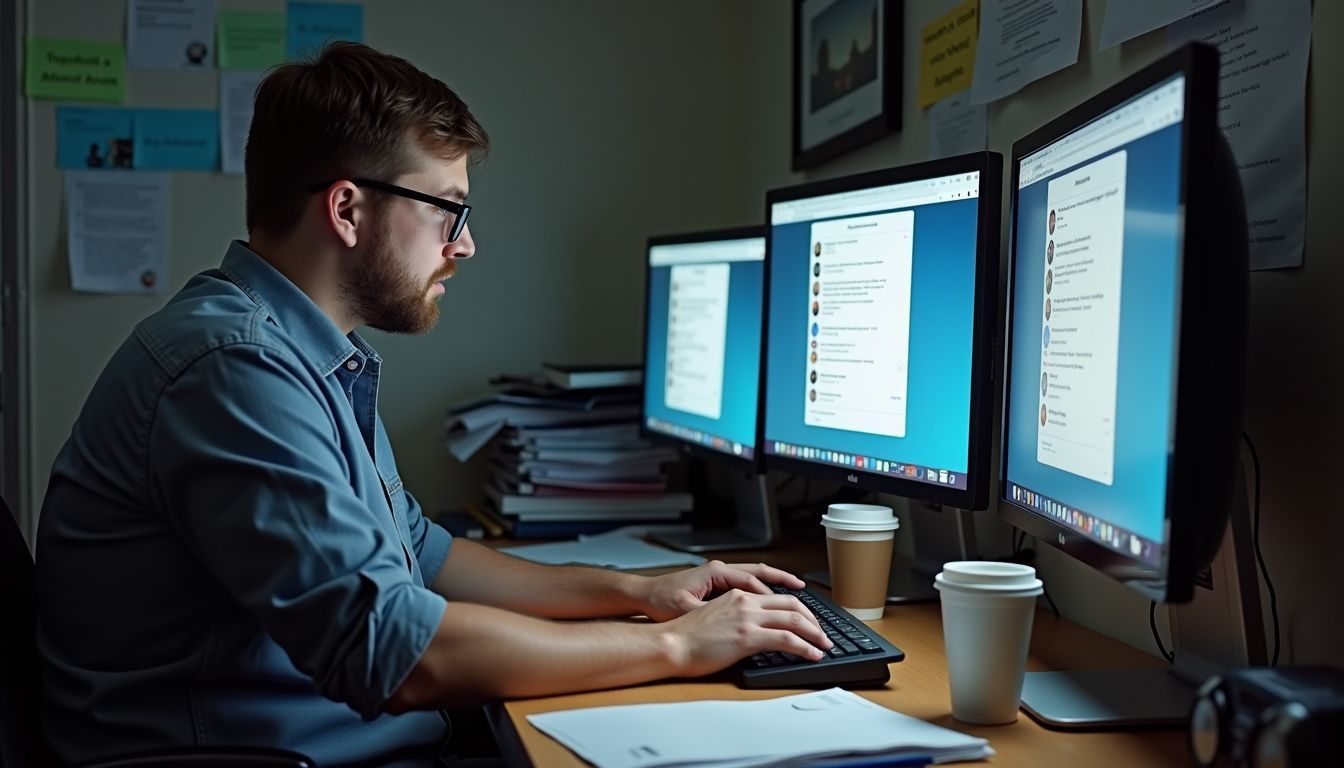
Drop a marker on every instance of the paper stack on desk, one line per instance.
(787, 731)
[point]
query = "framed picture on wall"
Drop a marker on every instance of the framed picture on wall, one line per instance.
(846, 75)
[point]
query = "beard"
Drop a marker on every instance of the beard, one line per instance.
(385, 294)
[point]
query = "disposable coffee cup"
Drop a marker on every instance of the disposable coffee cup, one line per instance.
(858, 549)
(987, 613)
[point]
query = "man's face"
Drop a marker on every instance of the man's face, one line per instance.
(395, 285)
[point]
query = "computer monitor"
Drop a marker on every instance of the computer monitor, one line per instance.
(1126, 335)
(702, 348)
(880, 298)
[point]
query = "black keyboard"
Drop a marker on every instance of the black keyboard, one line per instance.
(859, 657)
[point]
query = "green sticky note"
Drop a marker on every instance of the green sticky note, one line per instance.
(250, 39)
(77, 70)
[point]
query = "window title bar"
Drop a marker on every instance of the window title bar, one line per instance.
(746, 249)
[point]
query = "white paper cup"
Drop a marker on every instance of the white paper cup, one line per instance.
(987, 614)
(858, 550)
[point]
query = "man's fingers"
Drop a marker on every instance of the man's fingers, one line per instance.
(770, 574)
(788, 642)
(799, 622)
(733, 577)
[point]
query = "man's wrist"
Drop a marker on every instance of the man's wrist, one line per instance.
(635, 593)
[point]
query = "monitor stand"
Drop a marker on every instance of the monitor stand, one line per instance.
(940, 534)
(757, 520)
(1220, 629)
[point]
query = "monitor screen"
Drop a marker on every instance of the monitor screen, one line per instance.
(878, 300)
(1095, 316)
(703, 341)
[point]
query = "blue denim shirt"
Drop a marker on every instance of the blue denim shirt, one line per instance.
(226, 554)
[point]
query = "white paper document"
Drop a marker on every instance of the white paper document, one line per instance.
(1022, 41)
(779, 731)
(606, 550)
(1264, 47)
(956, 126)
(117, 229)
(1127, 19)
(170, 34)
(237, 92)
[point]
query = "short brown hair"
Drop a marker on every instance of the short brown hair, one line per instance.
(352, 111)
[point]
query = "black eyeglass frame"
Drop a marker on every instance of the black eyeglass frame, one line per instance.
(461, 210)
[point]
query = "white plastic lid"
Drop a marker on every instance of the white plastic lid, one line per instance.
(860, 517)
(988, 576)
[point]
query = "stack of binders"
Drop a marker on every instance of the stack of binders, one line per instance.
(563, 461)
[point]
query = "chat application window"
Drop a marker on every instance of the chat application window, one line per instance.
(697, 326)
(1080, 318)
(858, 323)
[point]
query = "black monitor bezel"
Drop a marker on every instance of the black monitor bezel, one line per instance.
(1173, 578)
(740, 463)
(984, 328)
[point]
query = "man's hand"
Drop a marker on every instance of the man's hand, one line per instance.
(738, 624)
(667, 597)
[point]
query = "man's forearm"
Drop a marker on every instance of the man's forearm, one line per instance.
(475, 573)
(479, 653)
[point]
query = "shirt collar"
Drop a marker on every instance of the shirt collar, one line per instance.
(292, 309)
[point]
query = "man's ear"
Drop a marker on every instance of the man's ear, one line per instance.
(345, 206)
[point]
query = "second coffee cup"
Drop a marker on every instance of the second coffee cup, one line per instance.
(987, 615)
(858, 548)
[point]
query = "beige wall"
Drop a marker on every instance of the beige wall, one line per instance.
(616, 120)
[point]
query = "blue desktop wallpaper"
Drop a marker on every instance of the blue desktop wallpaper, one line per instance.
(742, 355)
(942, 300)
(1136, 501)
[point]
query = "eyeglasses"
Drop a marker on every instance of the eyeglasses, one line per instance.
(454, 214)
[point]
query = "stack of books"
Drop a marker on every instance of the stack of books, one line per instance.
(565, 461)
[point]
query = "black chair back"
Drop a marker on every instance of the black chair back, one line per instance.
(21, 741)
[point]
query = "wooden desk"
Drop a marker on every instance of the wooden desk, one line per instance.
(918, 687)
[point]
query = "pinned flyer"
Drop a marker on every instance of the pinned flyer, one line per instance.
(313, 25)
(947, 58)
(78, 70)
(117, 229)
(1022, 41)
(1263, 48)
(171, 34)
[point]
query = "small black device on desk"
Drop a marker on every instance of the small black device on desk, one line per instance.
(858, 659)
(1264, 716)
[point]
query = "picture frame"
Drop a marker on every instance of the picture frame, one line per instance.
(845, 95)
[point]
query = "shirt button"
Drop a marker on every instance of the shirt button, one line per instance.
(352, 364)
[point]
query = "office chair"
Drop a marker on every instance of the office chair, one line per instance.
(22, 744)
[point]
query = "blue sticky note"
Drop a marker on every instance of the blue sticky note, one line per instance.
(176, 139)
(89, 138)
(311, 25)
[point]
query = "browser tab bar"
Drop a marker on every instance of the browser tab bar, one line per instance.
(959, 186)
(1152, 111)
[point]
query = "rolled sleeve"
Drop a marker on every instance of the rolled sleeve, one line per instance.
(246, 464)
(431, 541)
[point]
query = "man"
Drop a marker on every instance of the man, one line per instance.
(226, 552)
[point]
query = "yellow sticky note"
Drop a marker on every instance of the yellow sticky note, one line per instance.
(947, 53)
(79, 70)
